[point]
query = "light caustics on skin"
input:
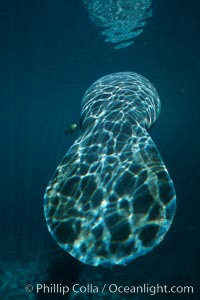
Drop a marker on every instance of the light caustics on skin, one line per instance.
(122, 20)
(111, 198)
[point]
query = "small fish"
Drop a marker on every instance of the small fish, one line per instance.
(71, 128)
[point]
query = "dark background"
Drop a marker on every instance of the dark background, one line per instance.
(50, 53)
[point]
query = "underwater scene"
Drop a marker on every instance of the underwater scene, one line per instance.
(100, 149)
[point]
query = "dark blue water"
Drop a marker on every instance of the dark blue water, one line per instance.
(49, 55)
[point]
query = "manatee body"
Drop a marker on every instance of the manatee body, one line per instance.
(111, 198)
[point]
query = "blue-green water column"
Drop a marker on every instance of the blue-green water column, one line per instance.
(111, 198)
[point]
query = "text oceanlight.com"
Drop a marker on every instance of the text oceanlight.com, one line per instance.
(111, 288)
